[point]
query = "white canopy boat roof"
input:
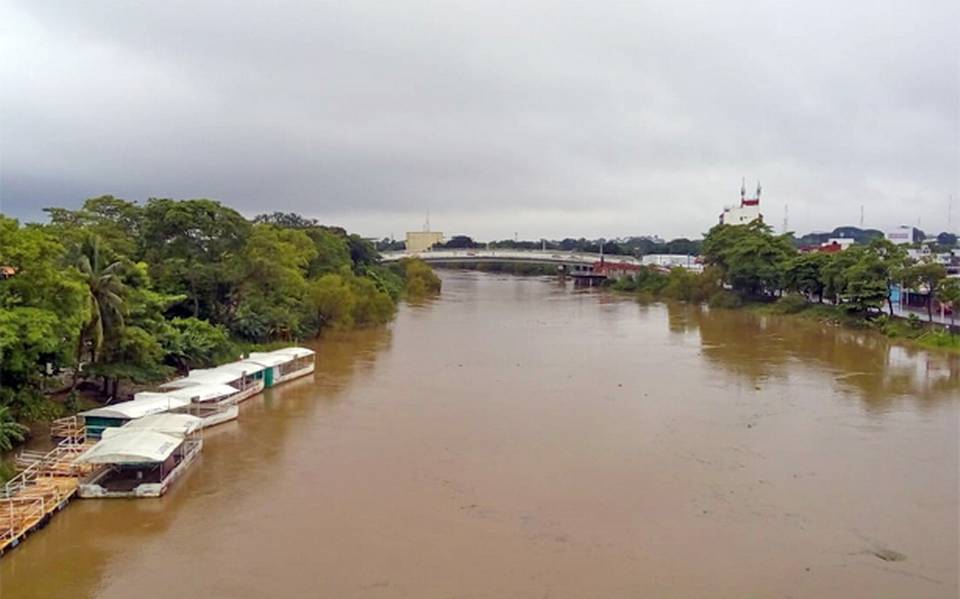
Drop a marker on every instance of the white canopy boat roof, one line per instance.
(296, 352)
(249, 365)
(270, 359)
(213, 376)
(203, 392)
(131, 447)
(153, 403)
(176, 425)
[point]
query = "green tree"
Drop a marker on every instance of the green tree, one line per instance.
(891, 262)
(751, 259)
(193, 343)
(42, 308)
(332, 255)
(420, 278)
(925, 274)
(271, 286)
(949, 293)
(105, 291)
(864, 281)
(332, 302)
(804, 274)
(192, 247)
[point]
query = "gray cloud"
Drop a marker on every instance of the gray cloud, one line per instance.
(548, 119)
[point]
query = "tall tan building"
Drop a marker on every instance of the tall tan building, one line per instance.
(421, 241)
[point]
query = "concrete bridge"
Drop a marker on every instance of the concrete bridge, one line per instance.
(572, 263)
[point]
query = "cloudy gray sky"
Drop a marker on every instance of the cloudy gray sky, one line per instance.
(546, 119)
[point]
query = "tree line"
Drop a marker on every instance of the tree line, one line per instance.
(118, 291)
(749, 262)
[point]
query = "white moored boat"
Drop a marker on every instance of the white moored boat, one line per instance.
(141, 458)
(114, 415)
(285, 364)
(245, 376)
(213, 403)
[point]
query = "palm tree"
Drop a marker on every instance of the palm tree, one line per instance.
(10, 429)
(105, 295)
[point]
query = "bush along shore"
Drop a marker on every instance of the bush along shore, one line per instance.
(748, 266)
(118, 294)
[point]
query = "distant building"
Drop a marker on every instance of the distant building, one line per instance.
(843, 242)
(904, 235)
(747, 212)
(421, 241)
(652, 238)
(926, 254)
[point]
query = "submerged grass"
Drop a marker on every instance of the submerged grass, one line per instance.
(913, 329)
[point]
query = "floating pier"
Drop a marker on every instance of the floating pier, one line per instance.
(44, 486)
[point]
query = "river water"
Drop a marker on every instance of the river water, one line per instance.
(517, 438)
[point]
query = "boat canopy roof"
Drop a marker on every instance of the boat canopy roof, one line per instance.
(131, 447)
(203, 392)
(154, 403)
(269, 359)
(296, 352)
(201, 377)
(249, 365)
(176, 425)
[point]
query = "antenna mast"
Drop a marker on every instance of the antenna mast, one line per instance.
(786, 215)
(950, 214)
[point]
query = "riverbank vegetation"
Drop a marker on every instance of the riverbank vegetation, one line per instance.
(749, 265)
(117, 292)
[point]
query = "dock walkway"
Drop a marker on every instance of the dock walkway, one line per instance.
(46, 483)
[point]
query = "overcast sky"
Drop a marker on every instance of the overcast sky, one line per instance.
(545, 119)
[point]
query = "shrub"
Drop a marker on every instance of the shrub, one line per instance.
(421, 280)
(725, 299)
(791, 304)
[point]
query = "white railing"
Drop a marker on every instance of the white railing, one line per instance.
(57, 461)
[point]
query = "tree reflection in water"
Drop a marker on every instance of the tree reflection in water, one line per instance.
(874, 368)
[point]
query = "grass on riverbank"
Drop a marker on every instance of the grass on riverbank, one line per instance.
(679, 285)
(913, 329)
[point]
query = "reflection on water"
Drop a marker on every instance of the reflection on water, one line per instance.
(870, 366)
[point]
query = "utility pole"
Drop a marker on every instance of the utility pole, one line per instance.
(786, 216)
(861, 216)
(950, 214)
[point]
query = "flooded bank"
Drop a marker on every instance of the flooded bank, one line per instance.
(516, 438)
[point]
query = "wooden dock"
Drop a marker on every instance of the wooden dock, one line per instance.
(44, 486)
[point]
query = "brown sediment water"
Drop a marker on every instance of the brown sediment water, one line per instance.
(517, 438)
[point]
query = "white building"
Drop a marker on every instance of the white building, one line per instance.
(747, 212)
(903, 235)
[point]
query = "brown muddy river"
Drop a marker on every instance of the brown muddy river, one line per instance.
(516, 438)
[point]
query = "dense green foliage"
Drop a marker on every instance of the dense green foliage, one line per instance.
(421, 280)
(748, 263)
(121, 292)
